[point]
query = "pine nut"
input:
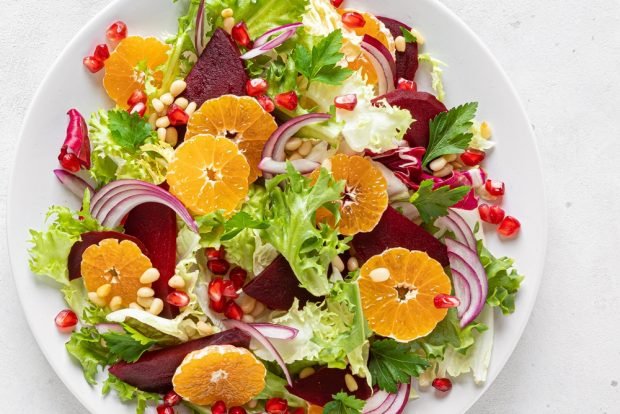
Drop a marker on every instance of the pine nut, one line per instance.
(306, 372)
(437, 164)
(149, 276)
(158, 105)
(177, 87)
(204, 328)
(420, 40)
(259, 308)
(181, 103)
(167, 99)
(305, 148)
(172, 136)
(293, 144)
(94, 298)
(191, 108)
(247, 318)
(116, 302)
(247, 303)
(444, 171)
(163, 122)
(176, 282)
(134, 305)
(157, 306)
(400, 43)
(146, 292)
(352, 264)
(228, 24)
(227, 13)
(295, 156)
(145, 302)
(104, 290)
(252, 404)
(152, 118)
(450, 158)
(338, 263)
(161, 134)
(350, 382)
(485, 130)
(380, 274)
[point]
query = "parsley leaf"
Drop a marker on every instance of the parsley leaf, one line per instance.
(435, 203)
(409, 37)
(128, 346)
(392, 363)
(344, 403)
(239, 222)
(450, 132)
(320, 64)
(128, 130)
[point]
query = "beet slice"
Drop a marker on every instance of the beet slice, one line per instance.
(407, 61)
(277, 287)
(219, 71)
(319, 387)
(396, 230)
(423, 107)
(88, 239)
(156, 226)
(154, 370)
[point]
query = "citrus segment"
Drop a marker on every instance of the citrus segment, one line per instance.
(401, 306)
(118, 264)
(241, 119)
(125, 68)
(219, 373)
(209, 173)
(365, 194)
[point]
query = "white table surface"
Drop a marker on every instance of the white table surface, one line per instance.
(564, 59)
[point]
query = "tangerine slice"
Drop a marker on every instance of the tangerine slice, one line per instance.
(402, 306)
(240, 118)
(117, 264)
(219, 373)
(122, 76)
(209, 173)
(365, 194)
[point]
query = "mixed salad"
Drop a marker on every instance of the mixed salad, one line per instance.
(274, 218)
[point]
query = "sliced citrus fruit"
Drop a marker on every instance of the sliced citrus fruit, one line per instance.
(239, 118)
(219, 373)
(126, 68)
(398, 288)
(117, 264)
(209, 173)
(365, 194)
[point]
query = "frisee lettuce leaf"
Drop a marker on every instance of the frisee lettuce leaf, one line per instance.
(436, 74)
(87, 348)
(129, 393)
(504, 280)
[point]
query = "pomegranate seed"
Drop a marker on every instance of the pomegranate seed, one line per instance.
(491, 214)
(237, 410)
(233, 311)
(139, 108)
(353, 19)
(68, 161)
(443, 301)
(138, 96)
(218, 408)
(276, 406)
(346, 102)
(102, 52)
(66, 320)
(472, 157)
(495, 188)
(177, 115)
(266, 103)
(256, 87)
(241, 35)
(117, 31)
(337, 3)
(218, 305)
(178, 299)
(165, 409)
(238, 277)
(442, 384)
(229, 290)
(218, 266)
(509, 227)
(216, 289)
(213, 254)
(172, 399)
(93, 64)
(287, 100)
(407, 85)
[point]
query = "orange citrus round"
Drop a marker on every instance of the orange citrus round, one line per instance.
(209, 173)
(220, 373)
(239, 118)
(402, 306)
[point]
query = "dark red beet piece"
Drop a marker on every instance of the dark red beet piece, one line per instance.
(396, 230)
(154, 370)
(407, 61)
(219, 71)
(156, 226)
(88, 239)
(277, 287)
(423, 107)
(319, 387)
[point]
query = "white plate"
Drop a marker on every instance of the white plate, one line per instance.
(472, 75)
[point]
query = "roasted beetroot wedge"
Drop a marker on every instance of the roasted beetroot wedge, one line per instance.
(90, 238)
(277, 287)
(219, 71)
(396, 230)
(156, 226)
(319, 387)
(407, 61)
(154, 370)
(423, 107)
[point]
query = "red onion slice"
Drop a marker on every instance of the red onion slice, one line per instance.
(73, 183)
(379, 402)
(465, 229)
(382, 61)
(199, 39)
(462, 290)
(401, 400)
(274, 331)
(262, 39)
(272, 44)
(272, 167)
(254, 333)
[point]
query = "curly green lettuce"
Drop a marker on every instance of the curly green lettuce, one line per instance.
(129, 393)
(504, 280)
